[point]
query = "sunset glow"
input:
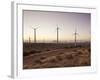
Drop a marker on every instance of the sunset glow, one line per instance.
(46, 23)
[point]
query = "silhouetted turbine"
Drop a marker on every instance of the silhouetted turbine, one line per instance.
(35, 40)
(57, 34)
(75, 37)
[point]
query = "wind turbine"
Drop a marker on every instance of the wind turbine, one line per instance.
(57, 34)
(35, 40)
(75, 37)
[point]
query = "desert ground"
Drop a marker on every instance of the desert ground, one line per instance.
(52, 55)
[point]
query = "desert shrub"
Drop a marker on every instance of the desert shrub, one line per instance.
(69, 56)
(53, 59)
(52, 66)
(79, 52)
(89, 50)
(43, 57)
(74, 50)
(26, 53)
(79, 46)
(71, 46)
(37, 61)
(47, 50)
(85, 63)
(59, 57)
(61, 53)
(35, 51)
(66, 47)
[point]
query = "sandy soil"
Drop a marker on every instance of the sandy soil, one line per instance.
(67, 57)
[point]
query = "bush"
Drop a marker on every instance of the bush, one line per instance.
(43, 57)
(59, 58)
(53, 59)
(89, 50)
(38, 61)
(47, 50)
(35, 51)
(74, 50)
(69, 56)
(79, 52)
(27, 53)
(84, 63)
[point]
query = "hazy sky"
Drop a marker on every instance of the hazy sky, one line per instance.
(47, 22)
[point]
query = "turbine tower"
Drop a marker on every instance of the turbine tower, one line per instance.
(57, 34)
(75, 37)
(35, 35)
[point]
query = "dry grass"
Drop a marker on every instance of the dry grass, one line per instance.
(70, 57)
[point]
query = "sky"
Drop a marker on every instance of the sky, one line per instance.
(46, 23)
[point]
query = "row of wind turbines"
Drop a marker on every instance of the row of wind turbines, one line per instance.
(57, 32)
